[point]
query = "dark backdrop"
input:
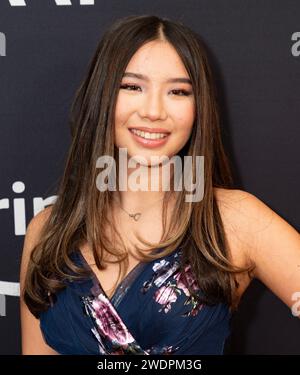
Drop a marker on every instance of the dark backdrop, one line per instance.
(254, 47)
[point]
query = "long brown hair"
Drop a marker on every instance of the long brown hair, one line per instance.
(80, 212)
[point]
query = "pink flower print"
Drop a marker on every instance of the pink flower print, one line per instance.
(109, 327)
(180, 284)
(109, 322)
(162, 272)
(186, 279)
(165, 296)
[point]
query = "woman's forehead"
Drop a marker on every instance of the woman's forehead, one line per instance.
(157, 60)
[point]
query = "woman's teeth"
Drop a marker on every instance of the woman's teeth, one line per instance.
(148, 135)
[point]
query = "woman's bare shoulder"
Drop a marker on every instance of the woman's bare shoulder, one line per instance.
(32, 339)
(237, 210)
(233, 205)
(239, 204)
(231, 196)
(40, 218)
(243, 215)
(33, 230)
(257, 232)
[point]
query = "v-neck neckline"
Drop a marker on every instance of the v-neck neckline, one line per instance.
(121, 288)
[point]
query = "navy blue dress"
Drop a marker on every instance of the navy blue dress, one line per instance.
(151, 312)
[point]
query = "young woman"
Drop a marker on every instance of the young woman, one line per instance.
(147, 271)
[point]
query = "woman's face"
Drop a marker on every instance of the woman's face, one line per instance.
(154, 112)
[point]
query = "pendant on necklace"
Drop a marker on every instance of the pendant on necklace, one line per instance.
(135, 216)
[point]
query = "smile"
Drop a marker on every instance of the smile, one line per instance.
(149, 139)
(147, 135)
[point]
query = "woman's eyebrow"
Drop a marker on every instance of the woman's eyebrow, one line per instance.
(169, 80)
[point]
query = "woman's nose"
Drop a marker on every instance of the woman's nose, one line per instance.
(153, 107)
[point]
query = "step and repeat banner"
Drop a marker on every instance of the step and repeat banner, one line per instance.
(254, 47)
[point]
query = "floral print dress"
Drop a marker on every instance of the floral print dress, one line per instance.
(151, 312)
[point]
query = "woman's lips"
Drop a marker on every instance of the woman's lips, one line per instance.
(149, 143)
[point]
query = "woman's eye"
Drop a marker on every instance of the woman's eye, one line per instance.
(182, 92)
(130, 87)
